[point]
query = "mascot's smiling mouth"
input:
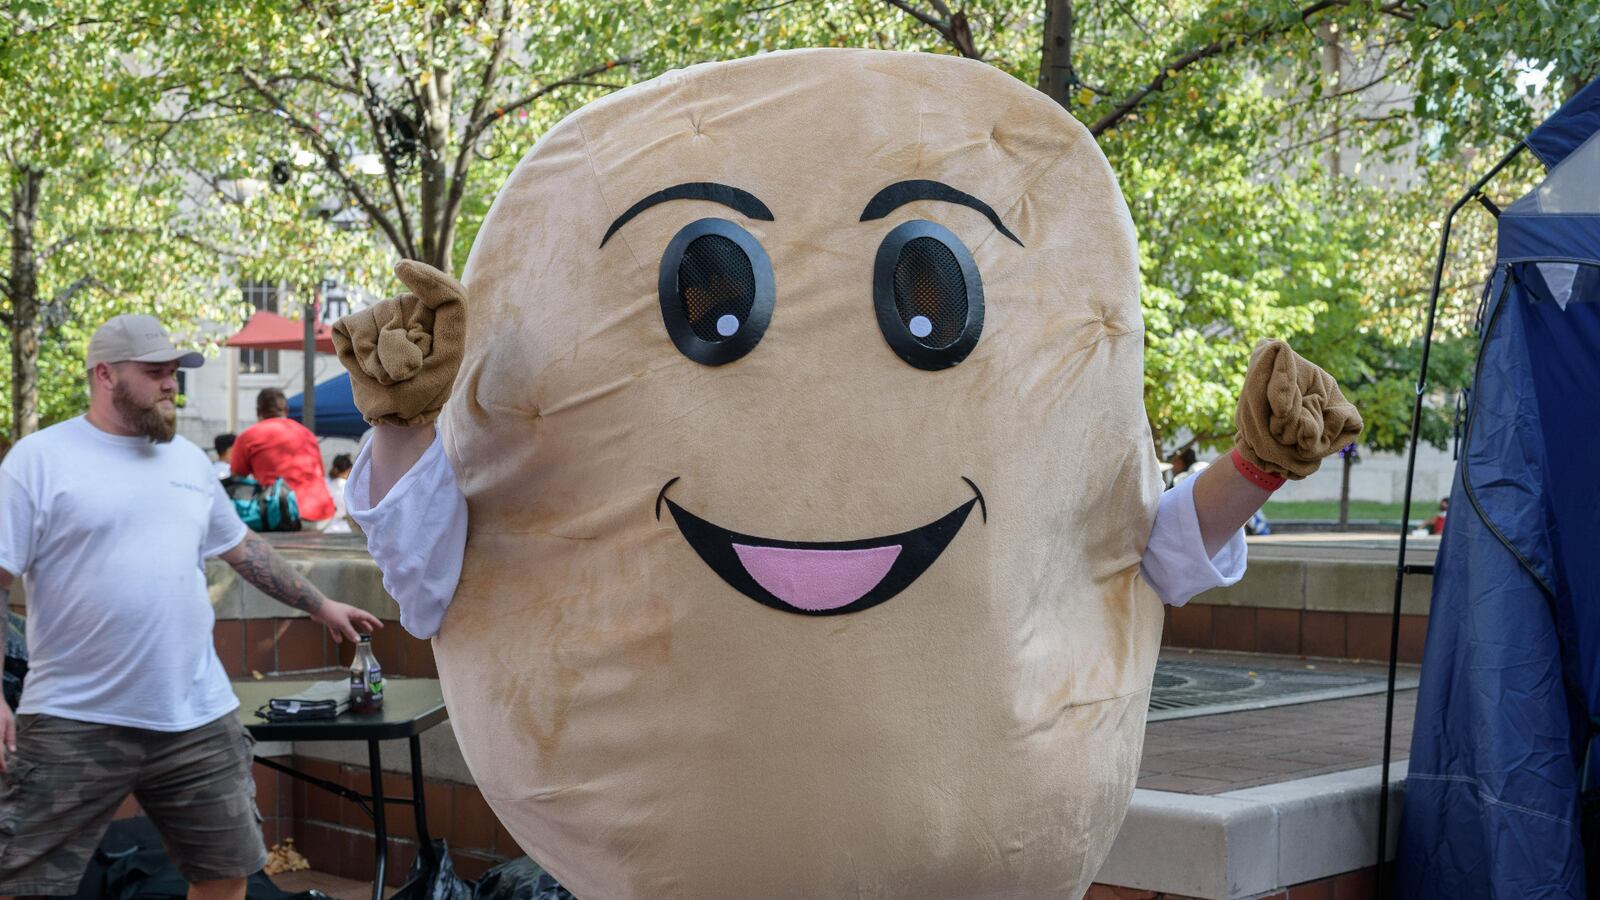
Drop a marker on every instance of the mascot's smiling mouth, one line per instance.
(820, 578)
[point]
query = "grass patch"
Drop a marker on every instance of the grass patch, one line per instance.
(1328, 510)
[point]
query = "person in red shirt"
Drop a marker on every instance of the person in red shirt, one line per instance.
(279, 447)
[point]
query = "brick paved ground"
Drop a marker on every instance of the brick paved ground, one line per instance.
(1214, 754)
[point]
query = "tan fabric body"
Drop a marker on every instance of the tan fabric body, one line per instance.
(646, 731)
(1291, 414)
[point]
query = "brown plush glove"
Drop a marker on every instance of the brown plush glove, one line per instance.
(403, 352)
(1291, 414)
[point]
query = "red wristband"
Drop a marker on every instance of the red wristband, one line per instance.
(1264, 480)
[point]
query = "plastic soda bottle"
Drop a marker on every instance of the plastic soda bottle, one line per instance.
(366, 679)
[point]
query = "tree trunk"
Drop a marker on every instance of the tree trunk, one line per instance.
(1344, 493)
(1056, 77)
(1332, 82)
(24, 291)
(434, 170)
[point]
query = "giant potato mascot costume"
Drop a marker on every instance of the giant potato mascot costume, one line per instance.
(800, 426)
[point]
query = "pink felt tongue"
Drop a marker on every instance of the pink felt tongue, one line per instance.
(817, 579)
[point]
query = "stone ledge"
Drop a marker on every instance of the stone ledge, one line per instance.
(1252, 841)
(351, 577)
(1323, 585)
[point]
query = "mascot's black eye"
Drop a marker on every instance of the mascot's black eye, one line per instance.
(928, 295)
(716, 291)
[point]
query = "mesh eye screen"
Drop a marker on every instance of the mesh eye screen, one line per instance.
(716, 291)
(715, 279)
(928, 282)
(927, 295)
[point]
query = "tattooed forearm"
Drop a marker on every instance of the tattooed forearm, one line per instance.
(257, 563)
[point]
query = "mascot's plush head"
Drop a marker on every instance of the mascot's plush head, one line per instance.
(802, 431)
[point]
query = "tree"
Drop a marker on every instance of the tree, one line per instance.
(403, 117)
(1245, 138)
(93, 227)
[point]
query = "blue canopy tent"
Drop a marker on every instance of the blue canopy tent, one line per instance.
(337, 415)
(1511, 678)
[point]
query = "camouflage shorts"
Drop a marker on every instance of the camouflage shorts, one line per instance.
(62, 787)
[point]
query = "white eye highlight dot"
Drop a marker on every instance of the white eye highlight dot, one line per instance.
(727, 325)
(920, 326)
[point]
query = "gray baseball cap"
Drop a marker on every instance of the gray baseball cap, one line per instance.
(137, 339)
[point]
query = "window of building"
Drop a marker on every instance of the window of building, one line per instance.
(335, 302)
(260, 295)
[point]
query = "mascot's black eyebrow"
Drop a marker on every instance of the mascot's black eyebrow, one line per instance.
(900, 193)
(731, 197)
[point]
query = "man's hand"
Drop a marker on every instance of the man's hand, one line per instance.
(256, 562)
(342, 620)
(8, 733)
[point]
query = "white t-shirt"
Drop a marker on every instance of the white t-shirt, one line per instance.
(110, 534)
(418, 533)
(338, 524)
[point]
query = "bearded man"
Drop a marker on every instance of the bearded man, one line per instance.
(110, 517)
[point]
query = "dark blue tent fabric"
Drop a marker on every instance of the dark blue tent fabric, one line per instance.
(1511, 674)
(1572, 124)
(336, 411)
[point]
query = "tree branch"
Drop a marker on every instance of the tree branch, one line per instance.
(402, 66)
(491, 73)
(367, 98)
(477, 128)
(77, 287)
(1397, 9)
(1171, 69)
(330, 160)
(469, 137)
(955, 29)
(918, 14)
(112, 230)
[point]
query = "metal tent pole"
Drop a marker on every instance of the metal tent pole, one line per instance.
(308, 393)
(1473, 193)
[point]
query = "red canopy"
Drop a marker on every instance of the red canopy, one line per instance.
(270, 331)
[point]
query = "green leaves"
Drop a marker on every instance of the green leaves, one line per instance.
(1286, 178)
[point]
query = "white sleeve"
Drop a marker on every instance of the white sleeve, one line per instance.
(18, 526)
(416, 535)
(224, 528)
(1175, 561)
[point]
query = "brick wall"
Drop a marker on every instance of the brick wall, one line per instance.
(1292, 632)
(333, 833)
(301, 646)
(1359, 885)
(336, 836)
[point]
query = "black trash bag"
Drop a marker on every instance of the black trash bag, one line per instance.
(16, 657)
(130, 864)
(520, 879)
(433, 881)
